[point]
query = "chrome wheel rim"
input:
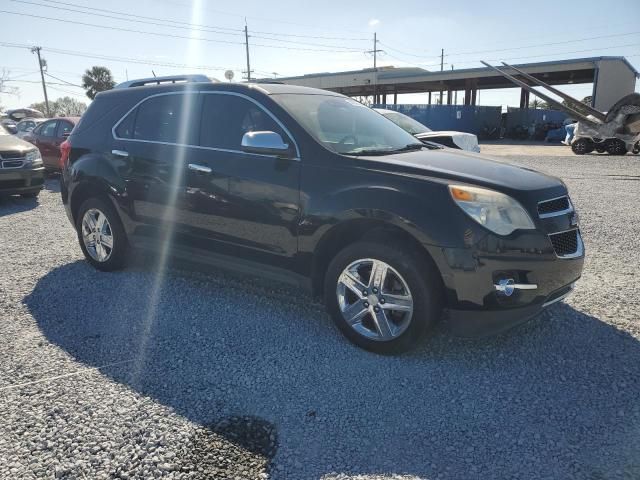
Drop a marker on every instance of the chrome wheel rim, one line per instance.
(374, 299)
(97, 235)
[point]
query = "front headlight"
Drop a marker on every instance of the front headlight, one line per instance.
(33, 158)
(494, 210)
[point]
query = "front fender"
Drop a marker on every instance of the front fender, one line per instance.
(422, 209)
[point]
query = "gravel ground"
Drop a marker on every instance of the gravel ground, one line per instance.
(179, 374)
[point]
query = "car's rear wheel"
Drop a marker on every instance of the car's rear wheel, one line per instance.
(101, 235)
(382, 300)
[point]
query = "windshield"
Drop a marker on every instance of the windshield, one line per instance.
(408, 124)
(346, 126)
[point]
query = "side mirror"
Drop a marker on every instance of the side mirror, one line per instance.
(265, 143)
(66, 134)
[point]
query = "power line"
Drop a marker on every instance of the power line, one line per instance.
(118, 59)
(58, 89)
(270, 20)
(525, 57)
(62, 80)
(564, 42)
(164, 35)
(206, 27)
(189, 28)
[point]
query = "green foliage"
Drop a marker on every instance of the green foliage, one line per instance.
(97, 79)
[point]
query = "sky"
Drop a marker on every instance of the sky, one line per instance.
(293, 37)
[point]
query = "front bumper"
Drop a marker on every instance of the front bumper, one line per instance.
(21, 180)
(474, 277)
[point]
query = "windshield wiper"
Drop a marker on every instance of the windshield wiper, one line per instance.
(409, 147)
(369, 152)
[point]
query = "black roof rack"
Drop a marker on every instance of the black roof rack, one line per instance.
(140, 82)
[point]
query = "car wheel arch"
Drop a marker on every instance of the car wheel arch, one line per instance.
(373, 228)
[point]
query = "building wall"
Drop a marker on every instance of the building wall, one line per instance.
(614, 81)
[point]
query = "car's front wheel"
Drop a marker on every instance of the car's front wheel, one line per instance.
(101, 235)
(382, 299)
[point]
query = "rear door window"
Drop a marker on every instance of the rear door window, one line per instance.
(64, 127)
(226, 118)
(165, 118)
(48, 129)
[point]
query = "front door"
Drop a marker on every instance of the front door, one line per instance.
(255, 197)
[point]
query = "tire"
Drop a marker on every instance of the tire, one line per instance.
(401, 329)
(30, 194)
(100, 255)
(615, 146)
(582, 146)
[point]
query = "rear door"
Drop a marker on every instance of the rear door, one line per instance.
(45, 140)
(153, 145)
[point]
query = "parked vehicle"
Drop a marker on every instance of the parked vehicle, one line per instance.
(21, 170)
(461, 140)
(314, 188)
(27, 125)
(48, 136)
(9, 126)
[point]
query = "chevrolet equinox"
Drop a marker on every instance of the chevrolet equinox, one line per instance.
(314, 188)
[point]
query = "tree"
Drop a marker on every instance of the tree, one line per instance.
(62, 107)
(4, 88)
(96, 80)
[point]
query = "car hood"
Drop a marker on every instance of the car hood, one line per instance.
(467, 167)
(11, 143)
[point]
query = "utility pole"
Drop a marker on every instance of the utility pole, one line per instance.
(441, 69)
(246, 44)
(375, 65)
(42, 63)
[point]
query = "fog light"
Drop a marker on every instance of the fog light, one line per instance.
(507, 286)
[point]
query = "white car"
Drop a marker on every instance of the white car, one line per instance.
(26, 125)
(460, 140)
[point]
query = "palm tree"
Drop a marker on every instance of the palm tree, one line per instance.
(96, 80)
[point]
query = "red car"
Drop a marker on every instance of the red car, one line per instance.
(48, 136)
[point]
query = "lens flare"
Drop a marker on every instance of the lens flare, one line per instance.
(175, 182)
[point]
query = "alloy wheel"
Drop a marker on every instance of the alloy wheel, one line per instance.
(374, 299)
(97, 235)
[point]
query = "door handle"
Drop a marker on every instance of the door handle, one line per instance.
(199, 168)
(120, 153)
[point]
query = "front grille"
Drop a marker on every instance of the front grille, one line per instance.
(7, 184)
(11, 163)
(565, 243)
(11, 155)
(553, 206)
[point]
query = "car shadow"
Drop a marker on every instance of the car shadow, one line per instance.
(555, 398)
(10, 204)
(52, 183)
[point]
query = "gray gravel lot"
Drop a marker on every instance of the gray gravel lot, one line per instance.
(182, 374)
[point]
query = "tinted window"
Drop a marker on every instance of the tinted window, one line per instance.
(226, 118)
(125, 128)
(64, 128)
(167, 118)
(48, 129)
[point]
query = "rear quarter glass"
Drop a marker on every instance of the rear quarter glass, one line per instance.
(99, 109)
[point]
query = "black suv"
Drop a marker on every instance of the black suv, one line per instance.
(312, 187)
